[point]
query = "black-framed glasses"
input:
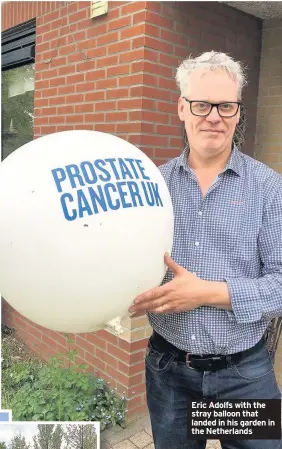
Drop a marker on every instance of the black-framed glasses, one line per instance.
(204, 108)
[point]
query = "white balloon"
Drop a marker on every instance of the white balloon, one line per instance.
(86, 218)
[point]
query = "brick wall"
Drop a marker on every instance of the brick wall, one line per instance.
(14, 13)
(269, 115)
(115, 74)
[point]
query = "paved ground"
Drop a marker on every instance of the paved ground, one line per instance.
(137, 435)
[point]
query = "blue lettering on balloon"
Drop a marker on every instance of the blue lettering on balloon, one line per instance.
(107, 195)
(83, 205)
(64, 206)
(98, 163)
(59, 176)
(155, 190)
(73, 172)
(109, 198)
(148, 194)
(111, 161)
(125, 171)
(97, 198)
(142, 169)
(134, 193)
(123, 194)
(93, 177)
(131, 161)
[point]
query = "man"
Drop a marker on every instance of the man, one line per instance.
(224, 282)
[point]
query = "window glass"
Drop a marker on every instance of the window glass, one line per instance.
(17, 108)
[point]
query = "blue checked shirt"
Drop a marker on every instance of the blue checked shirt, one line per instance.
(233, 235)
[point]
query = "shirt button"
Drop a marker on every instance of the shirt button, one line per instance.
(194, 272)
(193, 337)
(197, 243)
(200, 212)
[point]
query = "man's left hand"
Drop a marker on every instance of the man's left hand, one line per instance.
(184, 292)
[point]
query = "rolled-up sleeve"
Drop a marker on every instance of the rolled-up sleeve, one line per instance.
(261, 299)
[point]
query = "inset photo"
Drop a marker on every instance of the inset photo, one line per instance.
(51, 435)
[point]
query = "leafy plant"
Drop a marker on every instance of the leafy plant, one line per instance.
(61, 390)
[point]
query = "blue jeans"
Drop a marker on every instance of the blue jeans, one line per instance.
(170, 383)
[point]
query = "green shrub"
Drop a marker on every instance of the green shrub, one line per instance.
(60, 390)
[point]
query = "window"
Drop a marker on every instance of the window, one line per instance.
(18, 51)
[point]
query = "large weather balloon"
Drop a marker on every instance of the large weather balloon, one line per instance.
(86, 218)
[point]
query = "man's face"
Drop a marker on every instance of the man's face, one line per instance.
(209, 136)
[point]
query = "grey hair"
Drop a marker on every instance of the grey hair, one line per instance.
(210, 61)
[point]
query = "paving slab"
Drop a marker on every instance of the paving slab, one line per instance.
(148, 429)
(137, 435)
(117, 434)
(213, 444)
(141, 439)
(126, 444)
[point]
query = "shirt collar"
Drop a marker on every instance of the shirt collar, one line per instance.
(234, 164)
(183, 159)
